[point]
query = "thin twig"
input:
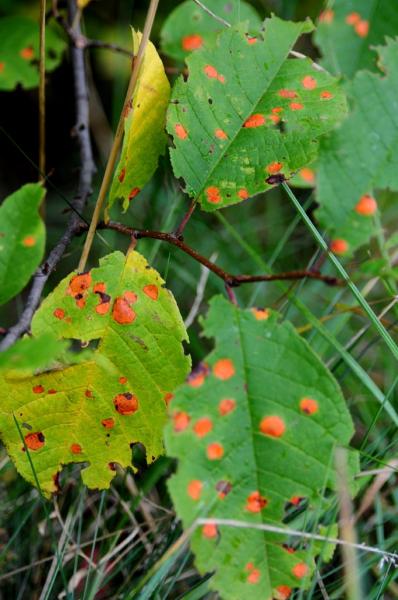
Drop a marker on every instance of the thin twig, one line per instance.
(230, 279)
(180, 229)
(118, 135)
(82, 132)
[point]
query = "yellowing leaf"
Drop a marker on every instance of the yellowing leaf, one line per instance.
(144, 137)
(93, 411)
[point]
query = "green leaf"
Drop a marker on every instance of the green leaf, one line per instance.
(348, 32)
(32, 353)
(19, 52)
(254, 432)
(246, 114)
(145, 137)
(91, 412)
(360, 156)
(189, 27)
(22, 239)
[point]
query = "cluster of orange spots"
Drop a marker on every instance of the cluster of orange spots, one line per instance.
(194, 489)
(256, 120)
(223, 488)
(122, 312)
(224, 369)
(300, 570)
(220, 134)
(104, 300)
(295, 500)
(76, 449)
(284, 592)
(88, 394)
(180, 421)
(152, 291)
(361, 26)
(243, 194)
(192, 42)
(38, 389)
(226, 406)
(122, 175)
(284, 93)
(309, 406)
(209, 530)
(29, 241)
(27, 53)
(366, 206)
(326, 16)
(339, 246)
(309, 82)
(255, 502)
(215, 451)
(254, 574)
(274, 168)
(307, 175)
(213, 195)
(181, 132)
(212, 73)
(168, 398)
(34, 441)
(198, 376)
(78, 288)
(272, 426)
(203, 426)
(108, 423)
(126, 404)
(133, 193)
(326, 95)
(296, 106)
(261, 314)
(59, 313)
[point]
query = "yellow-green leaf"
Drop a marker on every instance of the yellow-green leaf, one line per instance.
(144, 129)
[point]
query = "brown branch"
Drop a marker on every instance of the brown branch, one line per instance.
(230, 279)
(180, 229)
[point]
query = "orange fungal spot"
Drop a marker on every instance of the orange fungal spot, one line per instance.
(296, 106)
(284, 93)
(34, 441)
(38, 389)
(353, 18)
(367, 206)
(276, 110)
(309, 82)
(362, 28)
(255, 502)
(254, 576)
(243, 194)
(309, 406)
(254, 121)
(29, 241)
(130, 297)
(284, 592)
(191, 42)
(203, 426)
(339, 246)
(168, 397)
(213, 195)
(295, 500)
(307, 174)
(133, 193)
(209, 530)
(126, 404)
(181, 132)
(79, 284)
(108, 423)
(122, 313)
(273, 426)
(226, 406)
(326, 95)
(300, 570)
(122, 380)
(122, 175)
(52, 391)
(2, 65)
(251, 39)
(59, 313)
(215, 451)
(76, 449)
(275, 118)
(181, 421)
(27, 53)
(194, 489)
(326, 16)
(221, 78)
(261, 314)
(211, 72)
(274, 168)
(224, 369)
(88, 394)
(152, 291)
(220, 134)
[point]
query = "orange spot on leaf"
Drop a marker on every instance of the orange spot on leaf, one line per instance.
(126, 404)
(261, 314)
(367, 206)
(203, 426)
(213, 195)
(209, 530)
(272, 426)
(251, 39)
(27, 53)
(181, 132)
(29, 241)
(254, 121)
(88, 394)
(211, 72)
(362, 28)
(226, 406)
(122, 380)
(254, 576)
(224, 369)
(326, 16)
(243, 194)
(76, 449)
(194, 489)
(108, 423)
(300, 570)
(34, 441)
(326, 95)
(133, 193)
(220, 134)
(255, 502)
(59, 313)
(274, 168)
(309, 82)
(168, 397)
(284, 93)
(215, 451)
(152, 291)
(122, 313)
(295, 500)
(2, 65)
(353, 18)
(339, 246)
(79, 284)
(307, 175)
(284, 592)
(38, 389)
(122, 175)
(192, 42)
(181, 421)
(309, 406)
(296, 106)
